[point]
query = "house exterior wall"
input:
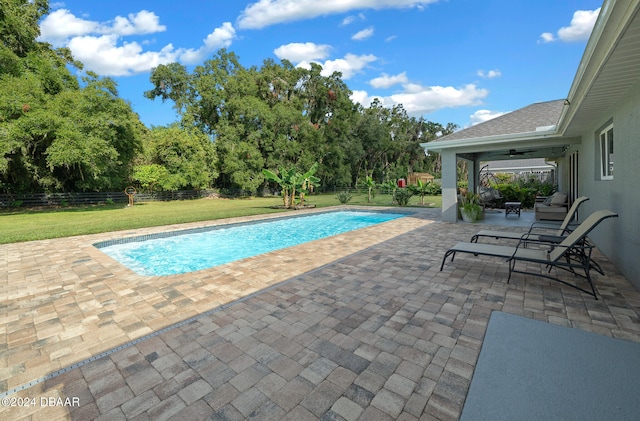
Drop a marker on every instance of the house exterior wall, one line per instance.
(449, 187)
(619, 238)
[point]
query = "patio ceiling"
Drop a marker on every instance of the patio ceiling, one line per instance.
(520, 152)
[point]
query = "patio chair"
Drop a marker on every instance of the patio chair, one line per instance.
(572, 253)
(559, 231)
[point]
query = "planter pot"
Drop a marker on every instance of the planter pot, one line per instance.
(470, 215)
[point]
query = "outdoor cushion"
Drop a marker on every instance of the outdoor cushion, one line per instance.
(558, 199)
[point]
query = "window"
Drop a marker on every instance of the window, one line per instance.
(606, 153)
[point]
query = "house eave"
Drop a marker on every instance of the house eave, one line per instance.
(497, 140)
(609, 66)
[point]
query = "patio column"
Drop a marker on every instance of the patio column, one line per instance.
(449, 186)
(473, 176)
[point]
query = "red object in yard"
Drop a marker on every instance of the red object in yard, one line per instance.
(402, 183)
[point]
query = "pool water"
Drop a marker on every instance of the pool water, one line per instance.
(190, 251)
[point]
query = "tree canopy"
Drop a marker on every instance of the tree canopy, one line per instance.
(58, 133)
(62, 132)
(278, 115)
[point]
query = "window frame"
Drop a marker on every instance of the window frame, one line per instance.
(605, 148)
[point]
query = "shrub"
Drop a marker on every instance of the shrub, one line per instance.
(402, 196)
(344, 197)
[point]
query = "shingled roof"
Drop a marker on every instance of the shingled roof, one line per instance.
(524, 120)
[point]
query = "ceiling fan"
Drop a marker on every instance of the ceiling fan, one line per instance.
(513, 152)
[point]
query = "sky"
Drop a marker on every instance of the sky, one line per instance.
(450, 61)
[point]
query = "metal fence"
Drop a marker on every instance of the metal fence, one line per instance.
(92, 198)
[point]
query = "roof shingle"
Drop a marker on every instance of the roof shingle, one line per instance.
(524, 120)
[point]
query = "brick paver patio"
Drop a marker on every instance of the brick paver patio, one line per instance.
(357, 326)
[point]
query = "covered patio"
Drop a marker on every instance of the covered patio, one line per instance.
(527, 133)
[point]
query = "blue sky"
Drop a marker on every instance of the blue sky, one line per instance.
(458, 61)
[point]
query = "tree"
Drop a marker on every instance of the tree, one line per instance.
(272, 116)
(279, 116)
(177, 158)
(58, 133)
(19, 24)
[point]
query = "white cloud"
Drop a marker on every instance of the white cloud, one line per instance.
(364, 34)
(297, 52)
(349, 65)
(101, 48)
(578, 30)
(547, 37)
(418, 99)
(58, 26)
(104, 56)
(490, 74)
(385, 81)
(220, 37)
(271, 12)
(350, 19)
(481, 116)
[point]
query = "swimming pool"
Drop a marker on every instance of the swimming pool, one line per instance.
(191, 250)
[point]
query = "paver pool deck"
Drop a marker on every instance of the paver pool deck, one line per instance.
(362, 325)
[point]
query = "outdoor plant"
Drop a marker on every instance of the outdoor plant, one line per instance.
(402, 196)
(344, 197)
(421, 189)
(371, 185)
(470, 208)
(291, 181)
(284, 180)
(391, 185)
(305, 182)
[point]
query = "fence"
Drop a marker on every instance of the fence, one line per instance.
(92, 198)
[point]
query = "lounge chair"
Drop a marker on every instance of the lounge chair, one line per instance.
(557, 234)
(573, 252)
(559, 231)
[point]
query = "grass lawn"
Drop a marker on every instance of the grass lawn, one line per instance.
(26, 225)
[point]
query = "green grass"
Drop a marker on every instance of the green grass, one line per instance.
(26, 225)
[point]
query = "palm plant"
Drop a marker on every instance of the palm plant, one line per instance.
(286, 181)
(391, 184)
(291, 182)
(305, 182)
(422, 189)
(371, 185)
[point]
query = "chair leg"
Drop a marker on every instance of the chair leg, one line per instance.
(449, 252)
(512, 265)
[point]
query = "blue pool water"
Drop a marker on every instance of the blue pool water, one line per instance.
(190, 251)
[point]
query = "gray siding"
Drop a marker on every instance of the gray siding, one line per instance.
(618, 239)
